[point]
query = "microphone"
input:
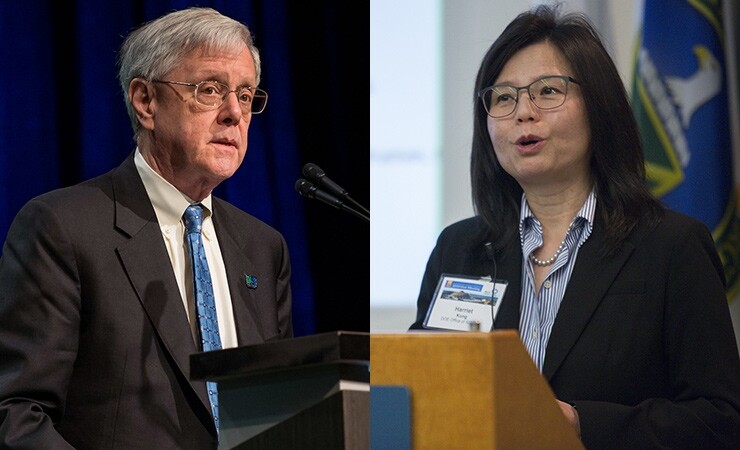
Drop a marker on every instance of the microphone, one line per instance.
(491, 254)
(309, 190)
(315, 174)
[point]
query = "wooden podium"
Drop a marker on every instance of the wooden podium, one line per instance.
(309, 392)
(471, 390)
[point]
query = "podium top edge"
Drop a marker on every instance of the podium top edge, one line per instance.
(496, 334)
(336, 347)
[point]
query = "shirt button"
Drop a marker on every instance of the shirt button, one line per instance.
(534, 334)
(547, 284)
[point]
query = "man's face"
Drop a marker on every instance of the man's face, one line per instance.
(195, 147)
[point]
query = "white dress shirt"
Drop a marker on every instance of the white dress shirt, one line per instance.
(169, 206)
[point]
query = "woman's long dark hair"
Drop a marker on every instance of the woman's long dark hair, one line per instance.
(617, 161)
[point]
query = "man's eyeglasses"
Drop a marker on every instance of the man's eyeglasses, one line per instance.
(212, 94)
(546, 93)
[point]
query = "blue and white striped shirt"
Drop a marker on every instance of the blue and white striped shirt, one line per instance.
(538, 310)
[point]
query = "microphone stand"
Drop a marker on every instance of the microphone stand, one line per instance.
(309, 190)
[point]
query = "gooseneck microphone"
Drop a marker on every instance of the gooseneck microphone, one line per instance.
(491, 254)
(318, 177)
(309, 190)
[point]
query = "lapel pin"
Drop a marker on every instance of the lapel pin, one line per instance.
(251, 281)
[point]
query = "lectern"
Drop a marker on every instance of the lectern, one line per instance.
(309, 392)
(471, 390)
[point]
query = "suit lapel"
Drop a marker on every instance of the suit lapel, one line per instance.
(589, 282)
(144, 258)
(509, 268)
(238, 265)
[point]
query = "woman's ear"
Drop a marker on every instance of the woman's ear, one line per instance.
(143, 99)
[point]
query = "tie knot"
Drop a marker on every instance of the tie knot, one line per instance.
(193, 218)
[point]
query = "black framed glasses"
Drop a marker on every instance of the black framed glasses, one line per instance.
(546, 93)
(212, 94)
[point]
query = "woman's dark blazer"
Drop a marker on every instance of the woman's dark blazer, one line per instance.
(643, 342)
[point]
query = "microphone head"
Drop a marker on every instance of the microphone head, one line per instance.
(490, 252)
(305, 188)
(312, 171)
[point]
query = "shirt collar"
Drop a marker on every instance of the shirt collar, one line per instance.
(587, 212)
(168, 202)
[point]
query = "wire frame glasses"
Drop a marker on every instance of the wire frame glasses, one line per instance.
(546, 93)
(212, 94)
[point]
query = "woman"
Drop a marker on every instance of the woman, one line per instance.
(619, 301)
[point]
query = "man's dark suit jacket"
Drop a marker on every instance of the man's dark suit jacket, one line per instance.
(94, 338)
(643, 342)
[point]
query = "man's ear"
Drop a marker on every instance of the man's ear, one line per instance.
(143, 99)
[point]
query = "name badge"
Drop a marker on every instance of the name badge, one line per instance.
(464, 303)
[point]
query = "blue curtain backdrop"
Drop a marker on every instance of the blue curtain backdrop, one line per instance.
(63, 120)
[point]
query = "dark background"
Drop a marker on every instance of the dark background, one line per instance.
(64, 121)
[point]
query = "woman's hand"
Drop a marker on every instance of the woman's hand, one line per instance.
(571, 414)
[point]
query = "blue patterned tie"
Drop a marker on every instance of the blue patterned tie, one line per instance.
(203, 289)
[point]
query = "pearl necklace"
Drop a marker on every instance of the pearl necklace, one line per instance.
(552, 259)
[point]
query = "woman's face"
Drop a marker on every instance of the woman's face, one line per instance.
(542, 148)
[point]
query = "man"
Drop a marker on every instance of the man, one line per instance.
(98, 316)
